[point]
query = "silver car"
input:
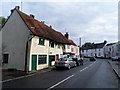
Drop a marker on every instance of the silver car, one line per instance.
(65, 63)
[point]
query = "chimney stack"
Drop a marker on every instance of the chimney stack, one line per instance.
(17, 7)
(32, 16)
(50, 26)
(67, 35)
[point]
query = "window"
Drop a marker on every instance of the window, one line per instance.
(5, 58)
(68, 46)
(72, 50)
(41, 41)
(42, 59)
(76, 50)
(95, 50)
(52, 44)
(99, 54)
(59, 46)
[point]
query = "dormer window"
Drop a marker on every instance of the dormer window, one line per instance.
(41, 41)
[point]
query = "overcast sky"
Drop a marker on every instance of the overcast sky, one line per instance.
(92, 21)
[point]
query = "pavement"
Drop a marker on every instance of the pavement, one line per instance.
(12, 73)
(115, 66)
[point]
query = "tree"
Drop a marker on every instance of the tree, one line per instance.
(87, 45)
(2, 20)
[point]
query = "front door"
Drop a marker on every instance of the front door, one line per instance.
(51, 58)
(34, 62)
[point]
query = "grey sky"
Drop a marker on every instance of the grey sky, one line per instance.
(92, 21)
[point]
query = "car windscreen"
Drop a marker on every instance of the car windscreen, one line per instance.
(62, 59)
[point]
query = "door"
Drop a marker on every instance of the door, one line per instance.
(57, 57)
(51, 58)
(34, 62)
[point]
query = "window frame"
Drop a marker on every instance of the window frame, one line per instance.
(52, 44)
(41, 41)
(42, 57)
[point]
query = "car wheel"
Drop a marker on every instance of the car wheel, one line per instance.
(69, 67)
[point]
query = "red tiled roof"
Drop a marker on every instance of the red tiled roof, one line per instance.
(71, 42)
(40, 29)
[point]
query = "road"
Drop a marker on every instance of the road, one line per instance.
(96, 74)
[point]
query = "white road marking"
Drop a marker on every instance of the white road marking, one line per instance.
(60, 82)
(83, 69)
(68, 78)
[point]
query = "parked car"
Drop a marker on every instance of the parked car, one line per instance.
(115, 58)
(92, 59)
(65, 63)
(79, 61)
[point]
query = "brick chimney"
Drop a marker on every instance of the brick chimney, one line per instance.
(17, 7)
(32, 16)
(67, 35)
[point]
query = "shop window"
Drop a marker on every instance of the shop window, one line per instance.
(42, 59)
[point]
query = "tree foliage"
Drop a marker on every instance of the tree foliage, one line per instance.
(2, 20)
(88, 45)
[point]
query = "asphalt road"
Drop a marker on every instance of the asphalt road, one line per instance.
(98, 74)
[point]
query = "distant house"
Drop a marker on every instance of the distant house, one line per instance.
(71, 50)
(109, 50)
(97, 50)
(112, 50)
(29, 44)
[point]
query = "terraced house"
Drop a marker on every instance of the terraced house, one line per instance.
(71, 50)
(29, 44)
